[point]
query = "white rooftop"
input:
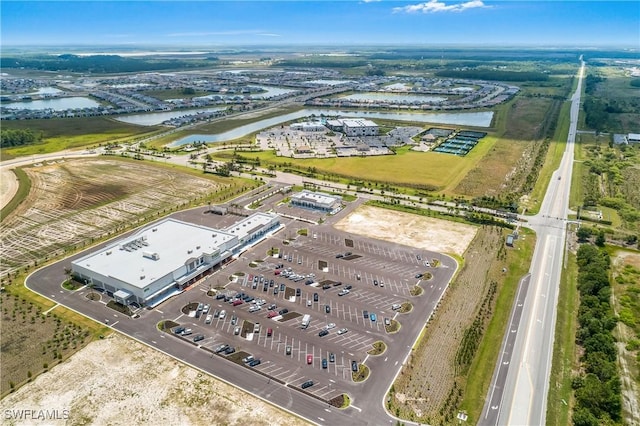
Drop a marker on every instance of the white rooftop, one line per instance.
(155, 251)
(359, 122)
(315, 197)
(248, 225)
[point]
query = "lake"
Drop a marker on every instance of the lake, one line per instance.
(154, 118)
(58, 104)
(475, 119)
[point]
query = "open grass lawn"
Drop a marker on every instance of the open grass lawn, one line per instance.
(67, 133)
(564, 348)
(442, 171)
(517, 261)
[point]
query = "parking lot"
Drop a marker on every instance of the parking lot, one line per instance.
(348, 286)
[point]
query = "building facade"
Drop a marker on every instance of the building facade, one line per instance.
(161, 260)
(316, 201)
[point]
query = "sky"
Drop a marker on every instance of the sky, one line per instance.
(346, 22)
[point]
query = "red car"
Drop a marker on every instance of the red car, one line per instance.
(237, 302)
(309, 359)
(272, 314)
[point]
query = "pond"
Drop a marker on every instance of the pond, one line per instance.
(154, 118)
(58, 104)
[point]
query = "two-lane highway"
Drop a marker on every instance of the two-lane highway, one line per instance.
(519, 397)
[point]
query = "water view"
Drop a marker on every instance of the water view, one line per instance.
(59, 104)
(154, 118)
(475, 119)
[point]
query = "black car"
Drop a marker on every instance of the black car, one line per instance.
(365, 314)
(198, 337)
(327, 309)
(375, 282)
(418, 276)
(349, 287)
(229, 350)
(315, 297)
(326, 287)
(332, 357)
(254, 363)
(339, 255)
(178, 330)
(282, 287)
(283, 311)
(307, 384)
(354, 366)
(298, 292)
(271, 283)
(323, 333)
(219, 296)
(324, 363)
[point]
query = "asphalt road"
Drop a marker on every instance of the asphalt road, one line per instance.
(524, 388)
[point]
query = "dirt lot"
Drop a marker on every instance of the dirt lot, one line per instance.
(77, 201)
(8, 186)
(411, 230)
(117, 381)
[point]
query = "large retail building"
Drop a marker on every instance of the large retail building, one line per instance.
(164, 258)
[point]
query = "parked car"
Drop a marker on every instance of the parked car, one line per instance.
(208, 319)
(418, 276)
(349, 287)
(234, 320)
(365, 314)
(330, 326)
(223, 314)
(236, 330)
(229, 350)
(327, 309)
(221, 348)
(298, 292)
(343, 292)
(396, 306)
(323, 333)
(269, 332)
(373, 317)
(187, 332)
(200, 306)
(178, 330)
(283, 311)
(354, 366)
(237, 302)
(307, 384)
(332, 357)
(309, 359)
(272, 314)
(247, 359)
(216, 313)
(282, 287)
(287, 350)
(324, 363)
(387, 321)
(254, 363)
(198, 337)
(343, 330)
(315, 297)
(206, 308)
(254, 308)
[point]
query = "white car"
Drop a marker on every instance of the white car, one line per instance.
(309, 302)
(223, 314)
(209, 319)
(330, 326)
(254, 308)
(342, 331)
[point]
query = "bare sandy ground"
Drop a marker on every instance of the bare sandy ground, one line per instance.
(118, 381)
(408, 229)
(8, 186)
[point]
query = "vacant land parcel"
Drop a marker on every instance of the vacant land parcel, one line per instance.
(411, 230)
(117, 375)
(78, 201)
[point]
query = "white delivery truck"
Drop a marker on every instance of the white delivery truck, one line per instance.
(306, 320)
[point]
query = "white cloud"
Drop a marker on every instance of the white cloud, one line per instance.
(223, 33)
(434, 6)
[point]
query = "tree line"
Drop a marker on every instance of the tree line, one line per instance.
(18, 137)
(496, 75)
(597, 386)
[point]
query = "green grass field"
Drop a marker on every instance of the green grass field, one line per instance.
(69, 133)
(564, 348)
